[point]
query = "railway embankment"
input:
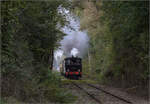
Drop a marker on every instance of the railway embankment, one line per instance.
(91, 92)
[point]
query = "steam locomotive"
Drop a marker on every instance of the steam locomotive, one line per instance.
(72, 67)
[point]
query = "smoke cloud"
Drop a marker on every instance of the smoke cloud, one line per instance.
(77, 41)
(74, 43)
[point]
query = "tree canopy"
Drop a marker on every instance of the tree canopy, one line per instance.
(119, 36)
(30, 33)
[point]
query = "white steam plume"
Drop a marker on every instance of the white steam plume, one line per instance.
(74, 52)
(57, 58)
(75, 42)
(78, 40)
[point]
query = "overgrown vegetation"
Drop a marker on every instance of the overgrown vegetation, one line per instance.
(29, 35)
(119, 36)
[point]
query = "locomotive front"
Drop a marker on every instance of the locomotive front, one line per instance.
(72, 67)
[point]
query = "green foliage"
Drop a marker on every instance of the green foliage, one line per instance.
(119, 32)
(29, 36)
(2, 101)
(128, 22)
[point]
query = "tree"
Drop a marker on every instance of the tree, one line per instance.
(119, 39)
(29, 36)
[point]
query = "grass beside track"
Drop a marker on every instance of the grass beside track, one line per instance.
(68, 81)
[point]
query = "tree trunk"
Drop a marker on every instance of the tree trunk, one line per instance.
(51, 58)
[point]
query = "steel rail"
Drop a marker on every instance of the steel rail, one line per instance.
(98, 88)
(97, 100)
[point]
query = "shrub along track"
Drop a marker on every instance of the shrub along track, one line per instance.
(99, 89)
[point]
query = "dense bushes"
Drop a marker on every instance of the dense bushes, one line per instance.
(29, 36)
(119, 32)
(45, 89)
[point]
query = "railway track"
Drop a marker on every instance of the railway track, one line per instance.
(98, 88)
(102, 90)
(89, 94)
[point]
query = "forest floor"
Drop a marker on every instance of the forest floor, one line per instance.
(83, 98)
